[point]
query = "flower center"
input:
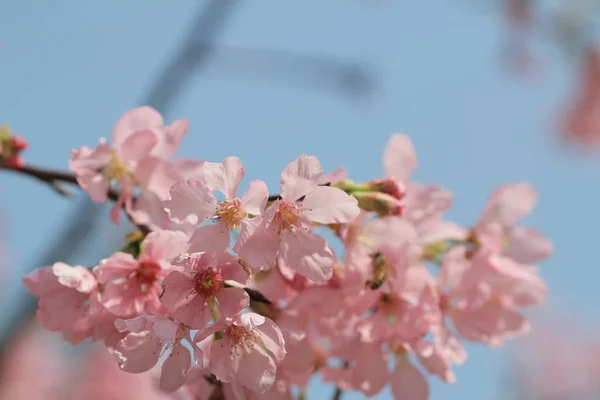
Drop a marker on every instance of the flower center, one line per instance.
(116, 169)
(230, 213)
(242, 339)
(147, 272)
(288, 216)
(209, 282)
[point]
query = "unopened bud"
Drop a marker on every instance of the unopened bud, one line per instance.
(14, 162)
(381, 203)
(389, 186)
(18, 143)
(384, 185)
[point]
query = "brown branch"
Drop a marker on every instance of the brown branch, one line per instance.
(54, 178)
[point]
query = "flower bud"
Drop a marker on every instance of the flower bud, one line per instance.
(18, 143)
(384, 185)
(381, 203)
(389, 186)
(14, 162)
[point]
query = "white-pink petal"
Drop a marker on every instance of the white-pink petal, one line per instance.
(254, 200)
(300, 177)
(191, 202)
(308, 254)
(329, 205)
(399, 159)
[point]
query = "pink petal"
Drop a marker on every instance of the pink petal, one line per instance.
(254, 200)
(329, 205)
(223, 361)
(118, 265)
(195, 313)
(308, 254)
(437, 364)
(300, 177)
(231, 270)
(148, 210)
(175, 368)
(86, 164)
(407, 382)
(164, 245)
(177, 288)
(247, 228)
(256, 370)
(211, 238)
(171, 138)
(137, 146)
(371, 372)
(333, 176)
(260, 250)
(191, 202)
(136, 325)
(399, 159)
(527, 246)
(137, 119)
(138, 352)
(78, 278)
(156, 175)
(165, 329)
(437, 231)
(510, 203)
(42, 282)
(272, 339)
(225, 177)
(232, 301)
(123, 297)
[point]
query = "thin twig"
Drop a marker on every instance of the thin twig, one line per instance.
(54, 178)
(337, 395)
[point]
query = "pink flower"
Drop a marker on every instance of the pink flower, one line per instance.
(285, 229)
(497, 230)
(133, 286)
(193, 202)
(148, 340)
(483, 296)
(140, 144)
(64, 293)
(197, 293)
(248, 352)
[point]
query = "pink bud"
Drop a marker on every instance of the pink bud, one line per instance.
(14, 161)
(381, 203)
(18, 143)
(390, 186)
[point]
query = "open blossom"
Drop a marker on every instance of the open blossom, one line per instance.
(136, 158)
(193, 201)
(133, 287)
(198, 293)
(248, 352)
(148, 339)
(483, 295)
(284, 231)
(498, 231)
(64, 304)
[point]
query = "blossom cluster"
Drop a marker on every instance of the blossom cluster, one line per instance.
(242, 296)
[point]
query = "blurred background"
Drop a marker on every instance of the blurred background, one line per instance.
(489, 91)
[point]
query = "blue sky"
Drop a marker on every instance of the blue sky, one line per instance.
(69, 69)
